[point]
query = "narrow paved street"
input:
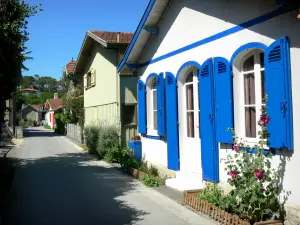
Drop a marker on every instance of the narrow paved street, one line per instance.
(58, 184)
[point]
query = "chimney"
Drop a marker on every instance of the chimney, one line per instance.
(118, 37)
(55, 96)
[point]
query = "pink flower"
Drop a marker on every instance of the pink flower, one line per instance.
(260, 175)
(256, 172)
(236, 148)
(264, 120)
(233, 174)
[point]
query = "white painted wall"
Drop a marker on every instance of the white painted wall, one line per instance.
(188, 21)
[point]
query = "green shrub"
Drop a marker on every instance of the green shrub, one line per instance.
(127, 162)
(108, 141)
(152, 170)
(113, 155)
(151, 181)
(60, 124)
(91, 134)
(216, 196)
(47, 126)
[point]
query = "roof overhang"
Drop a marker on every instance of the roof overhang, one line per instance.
(88, 42)
(151, 18)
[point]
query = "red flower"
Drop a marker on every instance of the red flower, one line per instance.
(236, 148)
(260, 175)
(262, 190)
(233, 174)
(256, 172)
(134, 139)
(264, 120)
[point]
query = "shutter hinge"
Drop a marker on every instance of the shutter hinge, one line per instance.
(283, 107)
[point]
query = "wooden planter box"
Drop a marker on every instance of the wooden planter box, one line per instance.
(136, 173)
(191, 200)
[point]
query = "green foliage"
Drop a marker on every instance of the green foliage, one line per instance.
(151, 181)
(60, 121)
(255, 184)
(20, 99)
(108, 140)
(47, 126)
(152, 170)
(91, 134)
(31, 99)
(216, 196)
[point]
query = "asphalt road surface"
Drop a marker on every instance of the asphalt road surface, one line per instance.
(58, 184)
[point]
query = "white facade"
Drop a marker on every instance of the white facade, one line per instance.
(189, 21)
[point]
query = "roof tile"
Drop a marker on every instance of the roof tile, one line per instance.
(112, 37)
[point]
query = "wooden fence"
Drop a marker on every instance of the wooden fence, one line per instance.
(75, 131)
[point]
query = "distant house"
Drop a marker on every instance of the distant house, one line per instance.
(109, 96)
(33, 113)
(27, 91)
(52, 106)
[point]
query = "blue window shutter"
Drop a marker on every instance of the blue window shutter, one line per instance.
(142, 113)
(160, 104)
(172, 122)
(224, 100)
(278, 89)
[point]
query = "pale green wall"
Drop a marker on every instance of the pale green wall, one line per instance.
(105, 91)
(128, 89)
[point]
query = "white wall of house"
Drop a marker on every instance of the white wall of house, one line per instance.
(188, 21)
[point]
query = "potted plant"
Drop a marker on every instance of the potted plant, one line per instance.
(136, 144)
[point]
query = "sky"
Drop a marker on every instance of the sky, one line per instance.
(57, 33)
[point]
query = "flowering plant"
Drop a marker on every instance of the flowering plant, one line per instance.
(254, 183)
(136, 138)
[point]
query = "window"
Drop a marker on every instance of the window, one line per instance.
(252, 87)
(89, 79)
(189, 90)
(129, 114)
(152, 106)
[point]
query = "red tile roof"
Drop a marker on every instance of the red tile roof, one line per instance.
(55, 103)
(112, 37)
(71, 66)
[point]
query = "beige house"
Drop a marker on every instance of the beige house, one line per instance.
(109, 96)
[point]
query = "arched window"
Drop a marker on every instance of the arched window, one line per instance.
(152, 106)
(250, 86)
(190, 104)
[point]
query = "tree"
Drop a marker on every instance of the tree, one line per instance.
(28, 82)
(14, 16)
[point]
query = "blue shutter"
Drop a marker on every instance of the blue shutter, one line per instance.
(142, 115)
(224, 100)
(172, 122)
(278, 89)
(160, 104)
(209, 151)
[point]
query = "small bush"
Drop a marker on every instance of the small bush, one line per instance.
(152, 170)
(113, 155)
(91, 134)
(151, 181)
(60, 124)
(216, 196)
(47, 126)
(108, 140)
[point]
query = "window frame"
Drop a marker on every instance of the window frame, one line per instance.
(89, 79)
(151, 92)
(257, 71)
(196, 108)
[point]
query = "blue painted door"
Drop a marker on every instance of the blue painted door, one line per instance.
(172, 122)
(209, 151)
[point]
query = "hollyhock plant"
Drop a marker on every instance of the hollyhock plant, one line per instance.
(254, 183)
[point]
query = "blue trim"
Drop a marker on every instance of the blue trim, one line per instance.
(189, 63)
(152, 30)
(153, 137)
(251, 45)
(212, 38)
(137, 33)
(150, 76)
